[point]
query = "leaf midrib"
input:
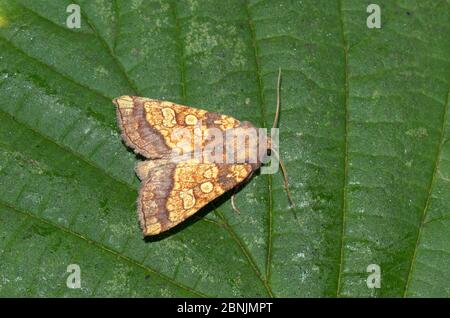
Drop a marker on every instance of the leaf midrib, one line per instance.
(345, 168)
(261, 102)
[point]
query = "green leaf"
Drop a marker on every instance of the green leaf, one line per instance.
(365, 136)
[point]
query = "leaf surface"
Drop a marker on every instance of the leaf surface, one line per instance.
(364, 135)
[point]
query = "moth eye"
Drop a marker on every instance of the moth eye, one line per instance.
(269, 152)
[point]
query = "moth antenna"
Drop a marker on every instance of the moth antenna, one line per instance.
(286, 182)
(275, 121)
(275, 124)
(285, 177)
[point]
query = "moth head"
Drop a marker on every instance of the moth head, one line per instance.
(269, 146)
(267, 151)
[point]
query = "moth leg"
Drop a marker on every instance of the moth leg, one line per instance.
(233, 204)
(236, 189)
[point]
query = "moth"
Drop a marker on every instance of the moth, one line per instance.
(175, 183)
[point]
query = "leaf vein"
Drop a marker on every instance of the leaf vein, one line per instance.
(261, 98)
(102, 247)
(430, 190)
(345, 167)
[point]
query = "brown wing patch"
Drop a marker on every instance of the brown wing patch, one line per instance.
(136, 132)
(155, 187)
(173, 193)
